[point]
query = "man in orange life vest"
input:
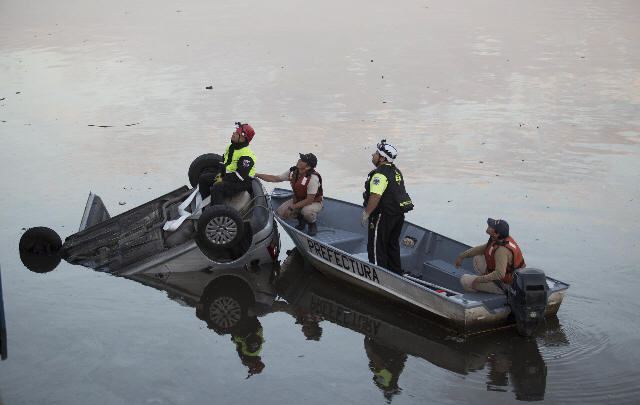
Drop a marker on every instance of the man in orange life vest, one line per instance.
(306, 184)
(493, 262)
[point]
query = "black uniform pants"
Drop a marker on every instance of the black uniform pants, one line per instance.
(220, 190)
(383, 245)
(205, 181)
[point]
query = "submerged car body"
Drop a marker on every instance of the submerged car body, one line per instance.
(135, 241)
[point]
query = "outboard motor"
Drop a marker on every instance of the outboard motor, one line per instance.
(527, 297)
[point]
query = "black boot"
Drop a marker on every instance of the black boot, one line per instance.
(313, 229)
(301, 223)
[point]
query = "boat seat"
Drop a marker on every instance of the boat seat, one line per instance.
(447, 275)
(340, 239)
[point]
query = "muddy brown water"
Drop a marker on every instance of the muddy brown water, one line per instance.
(523, 110)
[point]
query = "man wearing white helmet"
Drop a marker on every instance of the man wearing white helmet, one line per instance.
(385, 201)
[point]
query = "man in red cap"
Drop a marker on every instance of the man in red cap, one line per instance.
(239, 168)
(493, 262)
(306, 184)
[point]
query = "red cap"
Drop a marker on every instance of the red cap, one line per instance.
(245, 130)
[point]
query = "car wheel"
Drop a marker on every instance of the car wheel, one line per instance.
(219, 227)
(225, 306)
(40, 249)
(209, 162)
(225, 312)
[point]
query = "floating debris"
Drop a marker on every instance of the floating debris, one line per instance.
(209, 87)
(122, 202)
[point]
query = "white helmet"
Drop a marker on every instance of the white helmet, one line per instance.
(387, 151)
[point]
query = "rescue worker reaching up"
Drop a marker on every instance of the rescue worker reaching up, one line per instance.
(493, 262)
(239, 168)
(306, 184)
(385, 201)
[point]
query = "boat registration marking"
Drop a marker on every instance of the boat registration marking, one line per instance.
(345, 262)
(344, 316)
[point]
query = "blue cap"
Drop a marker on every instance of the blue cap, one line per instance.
(500, 226)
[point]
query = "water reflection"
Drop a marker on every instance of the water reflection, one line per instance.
(391, 334)
(229, 301)
(386, 364)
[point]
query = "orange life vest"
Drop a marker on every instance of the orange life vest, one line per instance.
(518, 260)
(299, 185)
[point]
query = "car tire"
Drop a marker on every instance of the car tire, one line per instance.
(209, 162)
(220, 227)
(224, 307)
(40, 249)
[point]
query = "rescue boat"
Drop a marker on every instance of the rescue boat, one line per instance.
(431, 282)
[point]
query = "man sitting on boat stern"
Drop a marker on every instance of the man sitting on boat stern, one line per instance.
(493, 262)
(385, 201)
(239, 168)
(306, 184)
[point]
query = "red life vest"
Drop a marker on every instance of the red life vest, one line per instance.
(518, 259)
(299, 185)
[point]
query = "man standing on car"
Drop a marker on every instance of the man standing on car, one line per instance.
(385, 201)
(239, 168)
(306, 184)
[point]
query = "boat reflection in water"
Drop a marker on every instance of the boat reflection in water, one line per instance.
(391, 334)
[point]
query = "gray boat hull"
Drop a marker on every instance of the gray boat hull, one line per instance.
(339, 251)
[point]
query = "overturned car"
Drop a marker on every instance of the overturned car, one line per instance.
(178, 225)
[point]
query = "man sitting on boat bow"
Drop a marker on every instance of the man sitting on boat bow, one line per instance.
(493, 262)
(306, 184)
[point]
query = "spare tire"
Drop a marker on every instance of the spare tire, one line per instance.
(219, 227)
(209, 162)
(40, 249)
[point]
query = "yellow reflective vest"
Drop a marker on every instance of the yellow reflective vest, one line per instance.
(231, 163)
